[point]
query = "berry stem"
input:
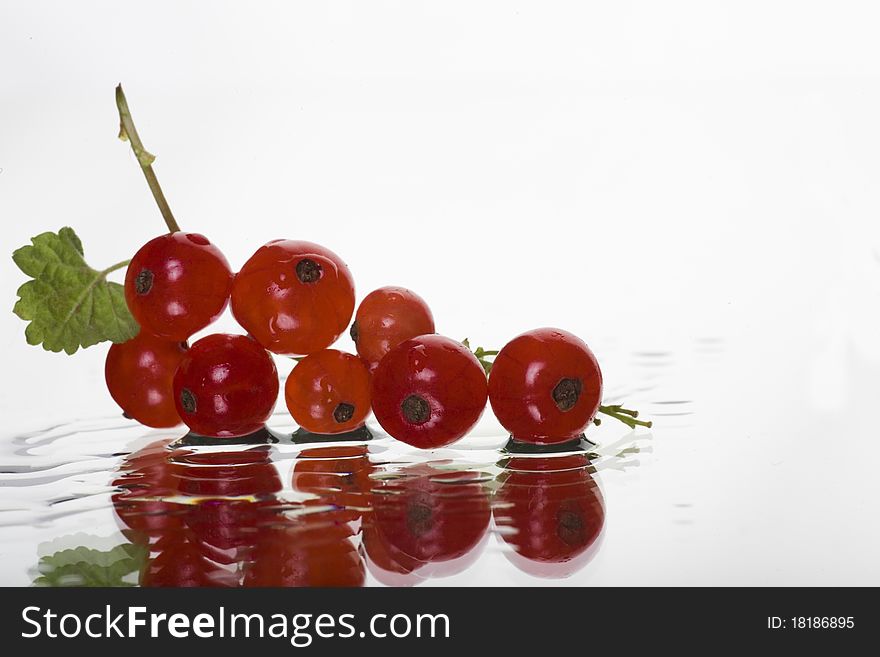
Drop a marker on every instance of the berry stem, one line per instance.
(625, 415)
(112, 268)
(127, 132)
(481, 355)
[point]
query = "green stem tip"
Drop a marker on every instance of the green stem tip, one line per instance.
(625, 415)
(481, 355)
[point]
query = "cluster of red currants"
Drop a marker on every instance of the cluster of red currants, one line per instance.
(295, 298)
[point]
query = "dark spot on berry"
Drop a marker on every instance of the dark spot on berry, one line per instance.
(143, 282)
(566, 394)
(419, 518)
(415, 409)
(343, 413)
(188, 400)
(127, 416)
(353, 332)
(308, 271)
(570, 527)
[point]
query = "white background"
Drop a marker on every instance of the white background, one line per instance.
(651, 176)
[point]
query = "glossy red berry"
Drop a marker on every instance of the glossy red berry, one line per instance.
(545, 386)
(429, 391)
(139, 376)
(293, 297)
(226, 386)
(329, 392)
(177, 284)
(387, 317)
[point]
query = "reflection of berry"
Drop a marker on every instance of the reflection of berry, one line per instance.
(385, 562)
(329, 392)
(429, 391)
(226, 386)
(200, 513)
(556, 509)
(293, 297)
(145, 484)
(385, 318)
(428, 517)
(311, 551)
(545, 386)
(235, 498)
(139, 373)
(149, 507)
(180, 563)
(177, 284)
(338, 476)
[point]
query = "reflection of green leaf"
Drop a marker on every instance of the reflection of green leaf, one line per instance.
(69, 304)
(84, 566)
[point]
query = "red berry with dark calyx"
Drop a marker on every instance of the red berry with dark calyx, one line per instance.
(293, 297)
(545, 386)
(385, 318)
(139, 375)
(177, 284)
(328, 392)
(226, 386)
(429, 391)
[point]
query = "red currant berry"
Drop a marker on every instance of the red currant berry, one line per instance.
(387, 317)
(226, 386)
(139, 373)
(556, 511)
(177, 284)
(329, 392)
(429, 391)
(545, 386)
(293, 297)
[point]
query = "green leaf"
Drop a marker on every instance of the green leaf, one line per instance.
(69, 304)
(84, 566)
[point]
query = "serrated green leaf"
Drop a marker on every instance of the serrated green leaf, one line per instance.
(69, 304)
(84, 566)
